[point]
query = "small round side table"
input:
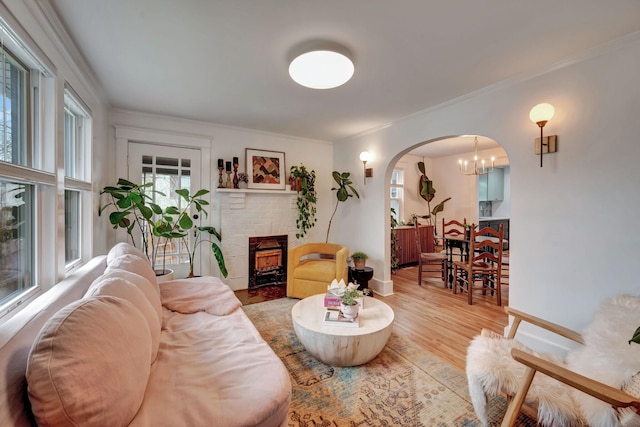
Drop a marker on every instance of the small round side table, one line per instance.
(361, 277)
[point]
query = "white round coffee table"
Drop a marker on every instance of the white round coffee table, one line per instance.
(342, 346)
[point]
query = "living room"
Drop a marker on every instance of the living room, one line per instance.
(570, 255)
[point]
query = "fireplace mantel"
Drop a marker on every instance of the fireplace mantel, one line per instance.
(247, 190)
(236, 196)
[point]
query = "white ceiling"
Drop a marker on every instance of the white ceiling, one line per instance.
(225, 61)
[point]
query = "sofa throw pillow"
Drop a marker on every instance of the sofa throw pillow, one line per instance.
(136, 265)
(121, 288)
(124, 248)
(150, 291)
(90, 364)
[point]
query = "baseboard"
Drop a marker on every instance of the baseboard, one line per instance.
(382, 288)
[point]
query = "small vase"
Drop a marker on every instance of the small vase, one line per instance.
(164, 276)
(350, 311)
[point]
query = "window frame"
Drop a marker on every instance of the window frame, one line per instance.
(397, 186)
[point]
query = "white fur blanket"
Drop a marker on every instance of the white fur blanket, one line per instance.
(206, 294)
(606, 357)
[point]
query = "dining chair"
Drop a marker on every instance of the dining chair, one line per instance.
(430, 262)
(455, 229)
(482, 271)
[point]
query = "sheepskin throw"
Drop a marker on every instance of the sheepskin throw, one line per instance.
(606, 357)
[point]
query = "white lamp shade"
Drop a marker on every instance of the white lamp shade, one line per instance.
(365, 156)
(321, 69)
(541, 113)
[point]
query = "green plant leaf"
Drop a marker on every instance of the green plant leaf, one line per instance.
(220, 258)
(636, 337)
(201, 192)
(172, 210)
(184, 192)
(185, 222)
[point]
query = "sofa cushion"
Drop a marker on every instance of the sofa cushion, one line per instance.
(150, 291)
(121, 288)
(136, 265)
(320, 270)
(124, 248)
(90, 364)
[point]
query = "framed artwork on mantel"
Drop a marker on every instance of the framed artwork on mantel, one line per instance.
(266, 169)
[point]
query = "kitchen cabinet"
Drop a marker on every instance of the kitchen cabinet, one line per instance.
(408, 252)
(495, 224)
(491, 186)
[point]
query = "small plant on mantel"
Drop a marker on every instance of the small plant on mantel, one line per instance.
(307, 199)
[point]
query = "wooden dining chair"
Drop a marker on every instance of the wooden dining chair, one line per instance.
(430, 262)
(453, 228)
(483, 269)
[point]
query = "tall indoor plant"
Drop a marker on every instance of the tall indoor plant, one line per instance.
(344, 190)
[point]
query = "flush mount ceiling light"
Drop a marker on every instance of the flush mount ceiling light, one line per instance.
(321, 69)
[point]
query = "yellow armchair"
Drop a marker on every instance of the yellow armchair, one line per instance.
(311, 267)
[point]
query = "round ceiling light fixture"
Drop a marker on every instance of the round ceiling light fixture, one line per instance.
(321, 69)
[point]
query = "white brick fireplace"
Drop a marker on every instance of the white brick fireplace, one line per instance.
(252, 213)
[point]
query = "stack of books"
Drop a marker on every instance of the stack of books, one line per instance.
(336, 318)
(332, 301)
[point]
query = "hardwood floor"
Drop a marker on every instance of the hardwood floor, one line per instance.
(439, 321)
(429, 315)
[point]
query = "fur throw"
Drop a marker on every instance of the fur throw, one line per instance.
(606, 357)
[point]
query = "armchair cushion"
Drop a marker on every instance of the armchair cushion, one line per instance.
(321, 270)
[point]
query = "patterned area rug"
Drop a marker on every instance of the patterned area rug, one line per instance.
(403, 386)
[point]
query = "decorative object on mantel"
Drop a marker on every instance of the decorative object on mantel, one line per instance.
(307, 198)
(235, 172)
(266, 169)
(228, 171)
(243, 180)
(220, 169)
(344, 190)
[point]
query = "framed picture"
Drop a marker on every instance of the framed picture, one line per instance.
(266, 169)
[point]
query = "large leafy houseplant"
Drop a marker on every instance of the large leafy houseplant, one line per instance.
(135, 210)
(428, 193)
(344, 190)
(307, 199)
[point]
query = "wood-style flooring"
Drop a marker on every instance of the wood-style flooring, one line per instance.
(431, 316)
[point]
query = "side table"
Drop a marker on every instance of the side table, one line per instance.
(361, 277)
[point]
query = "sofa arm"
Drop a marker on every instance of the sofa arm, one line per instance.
(519, 316)
(604, 392)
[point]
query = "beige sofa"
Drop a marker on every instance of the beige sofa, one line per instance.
(103, 348)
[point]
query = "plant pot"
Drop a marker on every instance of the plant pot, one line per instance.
(359, 264)
(164, 275)
(349, 311)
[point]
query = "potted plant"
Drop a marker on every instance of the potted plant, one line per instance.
(215, 248)
(243, 180)
(307, 198)
(344, 190)
(359, 260)
(350, 301)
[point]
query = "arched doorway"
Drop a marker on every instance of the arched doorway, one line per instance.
(466, 193)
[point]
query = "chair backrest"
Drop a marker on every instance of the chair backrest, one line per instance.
(486, 247)
(453, 228)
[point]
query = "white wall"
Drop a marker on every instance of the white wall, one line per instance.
(568, 219)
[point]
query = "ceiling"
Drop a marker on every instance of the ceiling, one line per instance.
(226, 61)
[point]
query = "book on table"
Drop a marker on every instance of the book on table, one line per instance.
(336, 318)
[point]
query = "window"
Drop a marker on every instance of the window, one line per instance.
(77, 137)
(397, 194)
(14, 119)
(16, 238)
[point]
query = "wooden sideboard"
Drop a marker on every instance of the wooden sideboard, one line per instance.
(408, 252)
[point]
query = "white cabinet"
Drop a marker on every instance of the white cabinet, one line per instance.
(491, 186)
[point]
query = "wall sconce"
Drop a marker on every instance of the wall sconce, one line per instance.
(540, 115)
(368, 172)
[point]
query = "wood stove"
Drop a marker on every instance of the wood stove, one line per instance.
(267, 260)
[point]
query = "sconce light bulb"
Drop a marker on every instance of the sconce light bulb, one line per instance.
(541, 113)
(365, 157)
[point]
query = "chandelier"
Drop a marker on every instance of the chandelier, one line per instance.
(480, 168)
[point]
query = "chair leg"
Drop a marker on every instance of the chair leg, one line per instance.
(420, 273)
(513, 410)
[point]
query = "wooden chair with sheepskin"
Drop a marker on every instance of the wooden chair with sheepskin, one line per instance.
(596, 384)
